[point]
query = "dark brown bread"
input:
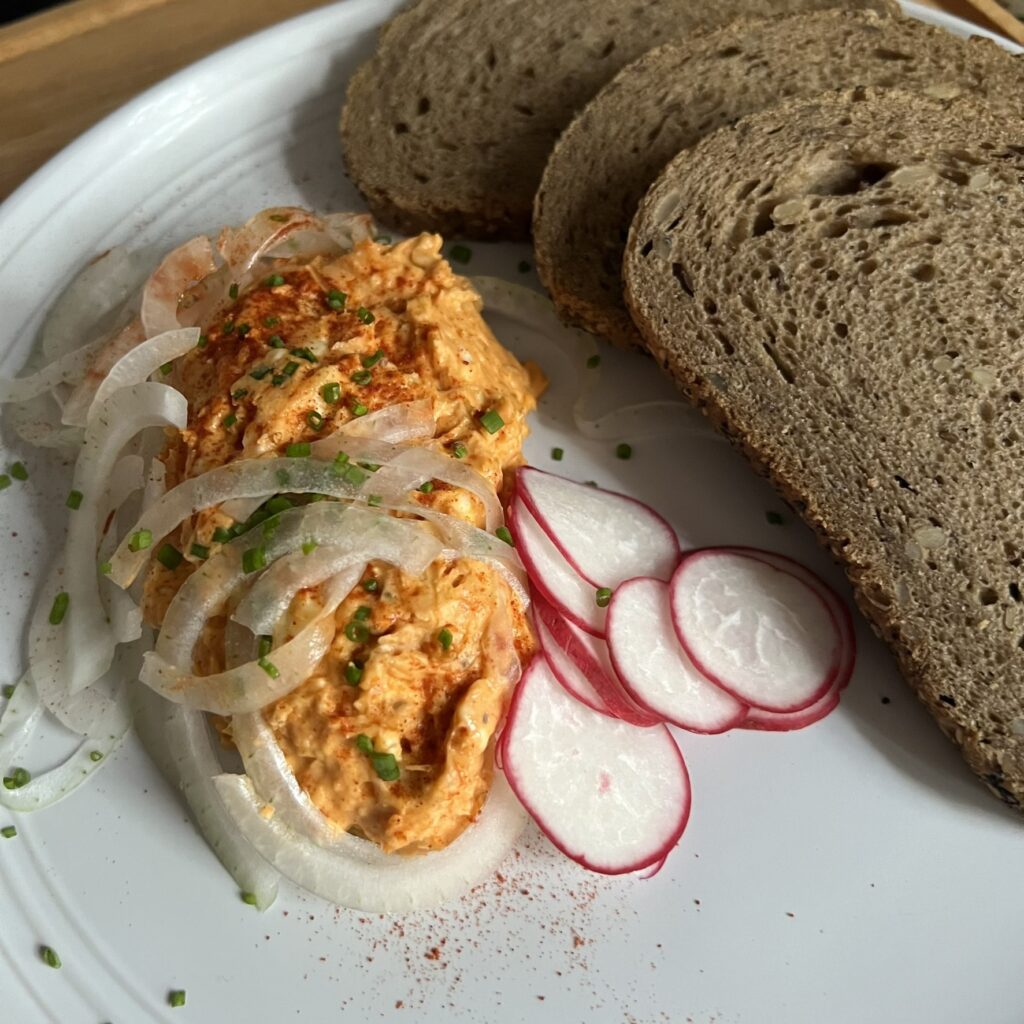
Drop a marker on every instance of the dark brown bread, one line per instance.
(447, 127)
(838, 282)
(671, 97)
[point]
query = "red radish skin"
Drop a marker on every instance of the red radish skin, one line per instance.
(588, 654)
(612, 797)
(551, 575)
(605, 536)
(755, 630)
(566, 671)
(654, 669)
(769, 721)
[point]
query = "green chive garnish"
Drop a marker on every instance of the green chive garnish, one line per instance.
(278, 503)
(259, 373)
(289, 368)
(280, 218)
(365, 315)
(362, 377)
(304, 353)
(459, 450)
(383, 239)
(283, 477)
(445, 638)
(358, 632)
(228, 328)
(336, 299)
(19, 777)
(169, 556)
(354, 475)
(364, 743)
(426, 487)
(272, 321)
(239, 393)
(233, 291)
(558, 454)
(331, 393)
(353, 673)
(8, 832)
(7, 691)
(19, 472)
(74, 499)
(221, 535)
(229, 421)
(374, 501)
(5, 481)
(95, 755)
(309, 546)
(266, 645)
(623, 451)
(603, 596)
(385, 766)
(315, 420)
(460, 253)
(362, 613)
(244, 329)
(204, 340)
(254, 559)
(299, 450)
(502, 533)
(249, 898)
(370, 361)
(49, 957)
(106, 568)
(491, 421)
(359, 409)
(370, 585)
(200, 551)
(275, 341)
(59, 608)
(176, 998)
(593, 362)
(140, 540)
(269, 667)
(274, 281)
(166, 368)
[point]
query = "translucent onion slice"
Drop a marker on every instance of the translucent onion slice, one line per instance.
(86, 305)
(85, 629)
(243, 247)
(405, 421)
(37, 421)
(82, 398)
(19, 719)
(179, 269)
(349, 229)
(69, 369)
(180, 743)
(357, 874)
(139, 363)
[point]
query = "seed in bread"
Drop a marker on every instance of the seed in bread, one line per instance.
(838, 282)
(671, 97)
(447, 127)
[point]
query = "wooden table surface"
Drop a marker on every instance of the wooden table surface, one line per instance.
(62, 70)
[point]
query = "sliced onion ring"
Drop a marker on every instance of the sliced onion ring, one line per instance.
(180, 268)
(69, 369)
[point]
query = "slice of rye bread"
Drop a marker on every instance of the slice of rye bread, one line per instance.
(839, 283)
(671, 97)
(448, 126)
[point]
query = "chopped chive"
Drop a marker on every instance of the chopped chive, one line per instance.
(278, 379)
(460, 253)
(249, 898)
(221, 535)
(254, 559)
(299, 450)
(364, 743)
(228, 328)
(59, 608)
(280, 218)
(370, 585)
(358, 409)
(353, 673)
(362, 613)
(243, 330)
(49, 957)
(371, 361)
(371, 466)
(140, 540)
(289, 368)
(524, 267)
(19, 472)
(239, 393)
(19, 777)
(358, 632)
(309, 546)
(106, 568)
(270, 527)
(278, 503)
(274, 281)
(491, 421)
(459, 450)
(362, 377)
(177, 997)
(304, 353)
(336, 299)
(259, 373)
(383, 239)
(623, 451)
(7, 691)
(602, 596)
(266, 645)
(74, 499)
(95, 755)
(283, 477)
(355, 476)
(272, 321)
(5, 481)
(558, 454)
(502, 533)
(426, 487)
(269, 667)
(593, 362)
(169, 556)
(233, 291)
(8, 832)
(445, 638)
(365, 315)
(199, 551)
(374, 501)
(275, 341)
(229, 421)
(331, 393)
(385, 766)
(166, 368)
(774, 518)
(204, 340)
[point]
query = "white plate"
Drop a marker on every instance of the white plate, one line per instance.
(854, 872)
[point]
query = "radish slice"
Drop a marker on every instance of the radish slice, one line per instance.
(655, 670)
(772, 721)
(552, 575)
(589, 657)
(756, 631)
(606, 537)
(612, 797)
(567, 672)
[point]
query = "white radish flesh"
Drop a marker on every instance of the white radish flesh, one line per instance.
(654, 668)
(774, 721)
(552, 575)
(606, 537)
(758, 632)
(613, 797)
(567, 672)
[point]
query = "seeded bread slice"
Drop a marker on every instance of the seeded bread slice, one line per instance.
(447, 127)
(838, 282)
(671, 97)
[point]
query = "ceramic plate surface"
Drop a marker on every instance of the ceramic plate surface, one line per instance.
(853, 872)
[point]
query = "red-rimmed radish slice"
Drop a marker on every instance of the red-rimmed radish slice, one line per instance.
(552, 575)
(773, 721)
(567, 672)
(756, 631)
(654, 668)
(836, 605)
(612, 797)
(606, 537)
(652, 870)
(590, 658)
